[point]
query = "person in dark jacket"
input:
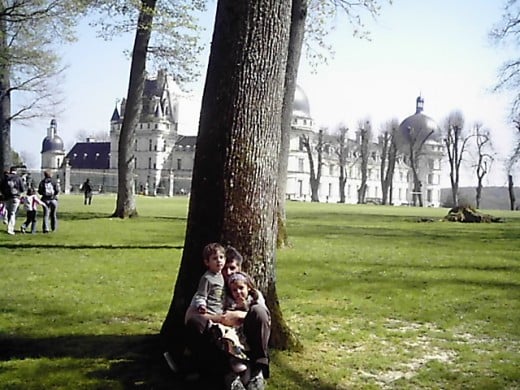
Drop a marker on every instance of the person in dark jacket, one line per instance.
(49, 190)
(12, 188)
(87, 191)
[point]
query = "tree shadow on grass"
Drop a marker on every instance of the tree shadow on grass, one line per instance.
(297, 379)
(136, 361)
(29, 245)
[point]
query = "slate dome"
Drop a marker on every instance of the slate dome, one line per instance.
(301, 104)
(53, 142)
(417, 128)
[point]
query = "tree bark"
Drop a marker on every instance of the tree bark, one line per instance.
(363, 150)
(234, 185)
(125, 204)
(511, 188)
(314, 169)
(298, 16)
(342, 152)
(5, 103)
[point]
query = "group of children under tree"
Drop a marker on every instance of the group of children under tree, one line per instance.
(229, 314)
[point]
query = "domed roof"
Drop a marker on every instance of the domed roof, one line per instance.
(300, 104)
(54, 144)
(417, 128)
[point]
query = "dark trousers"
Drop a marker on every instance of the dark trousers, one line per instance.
(257, 329)
(31, 219)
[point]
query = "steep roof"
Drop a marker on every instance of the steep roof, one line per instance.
(186, 140)
(90, 155)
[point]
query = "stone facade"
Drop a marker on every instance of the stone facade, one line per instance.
(163, 158)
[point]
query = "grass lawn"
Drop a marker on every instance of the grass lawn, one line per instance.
(378, 299)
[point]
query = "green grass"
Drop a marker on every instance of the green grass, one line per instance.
(378, 299)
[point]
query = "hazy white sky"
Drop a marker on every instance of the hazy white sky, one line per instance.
(438, 49)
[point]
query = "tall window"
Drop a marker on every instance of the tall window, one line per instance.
(150, 145)
(300, 164)
(179, 164)
(149, 162)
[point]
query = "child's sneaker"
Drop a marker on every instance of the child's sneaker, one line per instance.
(257, 382)
(233, 382)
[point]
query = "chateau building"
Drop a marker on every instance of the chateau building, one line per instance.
(163, 158)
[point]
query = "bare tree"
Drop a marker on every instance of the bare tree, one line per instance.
(388, 150)
(511, 189)
(507, 32)
(456, 142)
(342, 150)
(174, 44)
(314, 167)
(297, 32)
(125, 203)
(484, 158)
(29, 65)
(363, 138)
(309, 27)
(415, 139)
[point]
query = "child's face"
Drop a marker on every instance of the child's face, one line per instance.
(239, 290)
(230, 268)
(216, 262)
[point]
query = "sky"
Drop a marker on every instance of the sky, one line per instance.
(437, 49)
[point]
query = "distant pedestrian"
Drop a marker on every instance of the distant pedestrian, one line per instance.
(30, 202)
(49, 191)
(12, 188)
(87, 191)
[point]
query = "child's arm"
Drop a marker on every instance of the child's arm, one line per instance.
(40, 202)
(200, 297)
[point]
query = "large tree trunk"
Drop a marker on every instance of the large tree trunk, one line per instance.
(298, 16)
(5, 102)
(125, 206)
(234, 184)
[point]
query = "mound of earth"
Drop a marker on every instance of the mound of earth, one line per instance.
(469, 214)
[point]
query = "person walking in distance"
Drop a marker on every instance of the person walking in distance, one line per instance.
(48, 189)
(87, 191)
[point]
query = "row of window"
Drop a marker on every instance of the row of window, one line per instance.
(85, 156)
(375, 192)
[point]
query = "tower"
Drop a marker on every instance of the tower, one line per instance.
(52, 152)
